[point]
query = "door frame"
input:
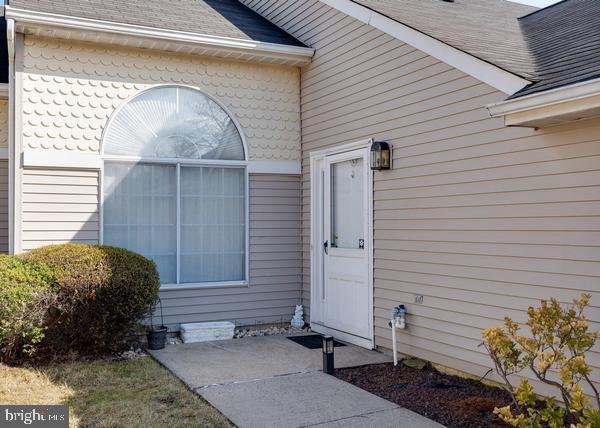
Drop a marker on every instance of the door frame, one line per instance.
(317, 159)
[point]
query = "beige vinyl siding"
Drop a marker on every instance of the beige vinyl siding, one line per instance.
(275, 264)
(59, 206)
(480, 219)
(62, 206)
(3, 206)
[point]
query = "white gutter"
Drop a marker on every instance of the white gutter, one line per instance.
(223, 44)
(484, 71)
(577, 91)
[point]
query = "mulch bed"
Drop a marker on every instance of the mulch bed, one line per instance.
(450, 400)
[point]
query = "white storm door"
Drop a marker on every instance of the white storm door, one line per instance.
(346, 286)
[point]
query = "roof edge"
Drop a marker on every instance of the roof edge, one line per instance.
(573, 102)
(563, 94)
(224, 45)
(484, 71)
(541, 9)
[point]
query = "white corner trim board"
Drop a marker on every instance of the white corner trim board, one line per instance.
(224, 44)
(577, 91)
(494, 76)
(42, 159)
(14, 243)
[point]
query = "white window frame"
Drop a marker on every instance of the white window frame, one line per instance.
(178, 163)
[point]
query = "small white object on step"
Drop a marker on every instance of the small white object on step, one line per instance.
(206, 331)
(298, 318)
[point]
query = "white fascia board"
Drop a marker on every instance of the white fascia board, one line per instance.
(4, 91)
(225, 44)
(484, 71)
(274, 167)
(573, 92)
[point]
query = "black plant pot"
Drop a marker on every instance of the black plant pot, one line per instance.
(157, 337)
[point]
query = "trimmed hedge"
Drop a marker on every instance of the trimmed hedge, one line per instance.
(103, 293)
(26, 293)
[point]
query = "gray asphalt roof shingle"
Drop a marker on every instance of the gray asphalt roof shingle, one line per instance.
(564, 41)
(224, 18)
(486, 29)
(552, 47)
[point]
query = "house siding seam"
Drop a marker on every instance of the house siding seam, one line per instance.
(70, 89)
(480, 219)
(275, 264)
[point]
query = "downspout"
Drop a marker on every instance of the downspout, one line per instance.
(10, 38)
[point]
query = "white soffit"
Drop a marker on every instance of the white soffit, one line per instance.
(70, 27)
(484, 71)
(568, 103)
(577, 91)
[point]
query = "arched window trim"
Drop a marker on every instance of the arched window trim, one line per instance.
(170, 160)
(181, 162)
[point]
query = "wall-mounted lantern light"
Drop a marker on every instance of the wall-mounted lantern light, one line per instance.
(328, 355)
(381, 156)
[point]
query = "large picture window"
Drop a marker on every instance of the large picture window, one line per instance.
(175, 186)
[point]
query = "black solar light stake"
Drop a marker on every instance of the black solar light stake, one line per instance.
(328, 355)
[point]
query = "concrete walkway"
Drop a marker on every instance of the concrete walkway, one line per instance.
(273, 382)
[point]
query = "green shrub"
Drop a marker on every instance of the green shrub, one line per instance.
(103, 293)
(26, 294)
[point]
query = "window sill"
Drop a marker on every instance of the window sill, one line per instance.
(204, 285)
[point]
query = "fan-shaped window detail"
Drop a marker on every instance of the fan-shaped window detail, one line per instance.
(173, 122)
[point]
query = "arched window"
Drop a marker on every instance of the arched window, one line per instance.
(173, 122)
(175, 186)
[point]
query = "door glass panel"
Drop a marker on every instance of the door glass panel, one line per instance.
(347, 209)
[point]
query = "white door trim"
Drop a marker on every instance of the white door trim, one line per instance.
(343, 336)
(317, 159)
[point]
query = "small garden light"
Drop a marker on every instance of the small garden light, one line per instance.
(381, 156)
(328, 354)
(399, 316)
